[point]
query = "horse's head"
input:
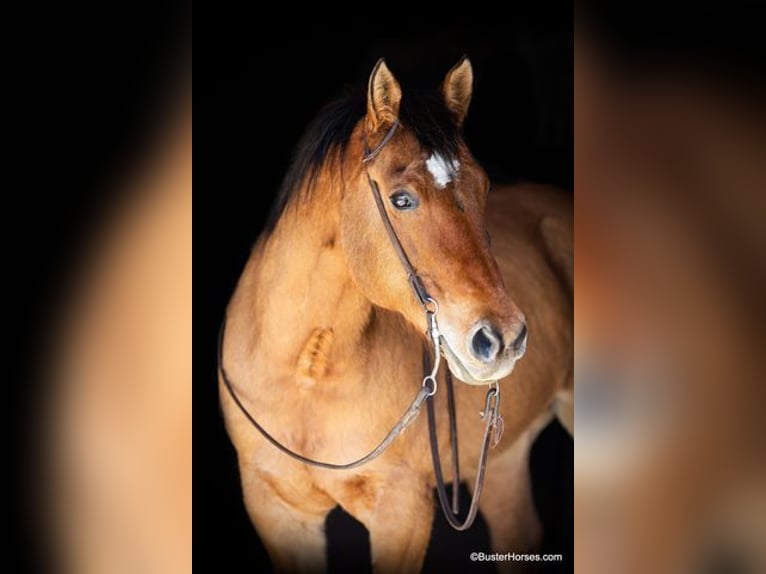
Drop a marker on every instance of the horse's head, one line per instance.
(435, 195)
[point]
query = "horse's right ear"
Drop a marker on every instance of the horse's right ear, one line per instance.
(383, 97)
(457, 89)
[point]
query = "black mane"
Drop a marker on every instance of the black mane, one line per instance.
(329, 133)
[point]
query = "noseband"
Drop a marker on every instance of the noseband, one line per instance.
(493, 423)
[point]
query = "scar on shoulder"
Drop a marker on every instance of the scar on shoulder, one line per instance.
(313, 359)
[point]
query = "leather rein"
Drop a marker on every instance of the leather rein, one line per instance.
(493, 423)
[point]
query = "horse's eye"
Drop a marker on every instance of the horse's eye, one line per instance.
(404, 200)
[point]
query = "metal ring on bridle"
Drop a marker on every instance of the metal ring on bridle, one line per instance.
(431, 306)
(492, 401)
(431, 380)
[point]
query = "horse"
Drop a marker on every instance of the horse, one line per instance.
(324, 336)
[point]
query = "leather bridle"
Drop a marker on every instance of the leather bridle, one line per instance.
(491, 415)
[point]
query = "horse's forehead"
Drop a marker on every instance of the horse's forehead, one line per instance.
(434, 168)
(443, 170)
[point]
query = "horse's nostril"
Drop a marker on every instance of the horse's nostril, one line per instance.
(520, 339)
(486, 344)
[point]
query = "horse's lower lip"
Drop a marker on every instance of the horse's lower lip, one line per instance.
(455, 364)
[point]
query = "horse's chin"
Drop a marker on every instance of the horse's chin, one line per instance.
(461, 372)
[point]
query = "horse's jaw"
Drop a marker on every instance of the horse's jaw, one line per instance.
(463, 373)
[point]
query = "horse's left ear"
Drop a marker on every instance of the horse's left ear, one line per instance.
(457, 89)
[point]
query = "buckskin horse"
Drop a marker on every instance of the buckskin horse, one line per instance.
(383, 224)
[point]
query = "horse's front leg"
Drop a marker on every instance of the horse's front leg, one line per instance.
(289, 521)
(397, 510)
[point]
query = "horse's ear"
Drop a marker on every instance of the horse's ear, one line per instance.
(383, 97)
(457, 89)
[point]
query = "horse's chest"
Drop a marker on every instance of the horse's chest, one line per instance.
(348, 413)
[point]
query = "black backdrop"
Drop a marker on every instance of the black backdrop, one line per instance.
(264, 93)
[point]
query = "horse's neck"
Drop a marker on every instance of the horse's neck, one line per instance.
(305, 316)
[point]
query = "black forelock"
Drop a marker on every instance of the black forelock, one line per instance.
(328, 135)
(433, 125)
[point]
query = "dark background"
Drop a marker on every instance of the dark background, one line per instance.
(264, 94)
